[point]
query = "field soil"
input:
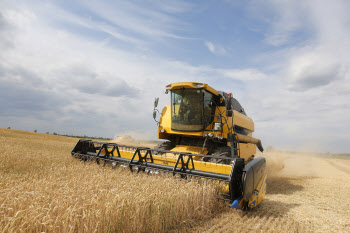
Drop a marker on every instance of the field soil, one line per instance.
(43, 189)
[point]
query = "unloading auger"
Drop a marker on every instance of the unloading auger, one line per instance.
(208, 135)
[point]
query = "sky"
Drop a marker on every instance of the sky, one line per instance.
(94, 67)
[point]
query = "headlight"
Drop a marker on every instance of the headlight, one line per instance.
(162, 130)
(210, 134)
(217, 126)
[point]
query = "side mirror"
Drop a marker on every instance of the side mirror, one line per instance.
(155, 110)
(229, 104)
(154, 114)
(156, 102)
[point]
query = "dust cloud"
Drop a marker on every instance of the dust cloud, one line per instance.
(296, 164)
(131, 141)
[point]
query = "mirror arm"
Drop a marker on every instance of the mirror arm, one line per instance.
(155, 110)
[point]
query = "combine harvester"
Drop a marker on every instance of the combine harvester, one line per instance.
(208, 135)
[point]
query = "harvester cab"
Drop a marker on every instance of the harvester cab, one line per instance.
(207, 135)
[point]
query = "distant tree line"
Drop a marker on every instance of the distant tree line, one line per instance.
(73, 136)
(77, 136)
(85, 137)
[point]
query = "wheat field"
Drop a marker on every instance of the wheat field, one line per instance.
(43, 189)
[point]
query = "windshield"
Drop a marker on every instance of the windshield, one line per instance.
(187, 110)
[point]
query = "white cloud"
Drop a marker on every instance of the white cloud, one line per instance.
(138, 19)
(244, 74)
(215, 49)
(96, 81)
(70, 18)
(308, 97)
(323, 60)
(300, 96)
(312, 70)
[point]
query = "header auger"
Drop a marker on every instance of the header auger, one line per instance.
(208, 135)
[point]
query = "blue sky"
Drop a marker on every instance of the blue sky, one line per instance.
(94, 67)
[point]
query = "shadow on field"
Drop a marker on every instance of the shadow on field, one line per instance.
(284, 185)
(271, 208)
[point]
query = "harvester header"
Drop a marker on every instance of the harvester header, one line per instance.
(207, 134)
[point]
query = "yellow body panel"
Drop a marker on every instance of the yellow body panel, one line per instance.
(247, 150)
(190, 149)
(236, 119)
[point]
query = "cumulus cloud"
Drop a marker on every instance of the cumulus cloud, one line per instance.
(244, 74)
(314, 74)
(24, 93)
(324, 60)
(138, 19)
(68, 78)
(215, 48)
(5, 33)
(96, 74)
(289, 19)
(305, 90)
(82, 78)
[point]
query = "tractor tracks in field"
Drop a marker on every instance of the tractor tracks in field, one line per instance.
(251, 221)
(339, 167)
(306, 196)
(273, 215)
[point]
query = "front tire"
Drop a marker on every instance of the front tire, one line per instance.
(222, 152)
(167, 145)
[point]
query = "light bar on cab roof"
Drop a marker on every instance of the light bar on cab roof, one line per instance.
(198, 85)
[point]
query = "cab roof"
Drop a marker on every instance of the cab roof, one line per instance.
(192, 85)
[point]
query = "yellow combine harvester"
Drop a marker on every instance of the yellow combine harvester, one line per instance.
(208, 135)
